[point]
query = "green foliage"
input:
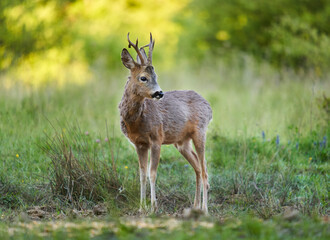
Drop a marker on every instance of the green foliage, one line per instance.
(28, 27)
(287, 33)
(296, 43)
(59, 40)
(62, 41)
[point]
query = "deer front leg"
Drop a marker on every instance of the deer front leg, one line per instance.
(155, 154)
(142, 152)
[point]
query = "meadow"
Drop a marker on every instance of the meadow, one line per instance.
(63, 158)
(67, 171)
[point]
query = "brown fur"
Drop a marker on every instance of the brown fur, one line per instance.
(177, 118)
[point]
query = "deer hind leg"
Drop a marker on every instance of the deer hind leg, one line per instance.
(154, 161)
(142, 152)
(188, 153)
(199, 142)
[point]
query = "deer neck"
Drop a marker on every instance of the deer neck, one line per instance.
(131, 106)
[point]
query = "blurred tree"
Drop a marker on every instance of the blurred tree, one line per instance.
(293, 33)
(28, 27)
(61, 40)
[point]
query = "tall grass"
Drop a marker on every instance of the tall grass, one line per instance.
(84, 169)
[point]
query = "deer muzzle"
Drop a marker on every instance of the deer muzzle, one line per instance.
(158, 95)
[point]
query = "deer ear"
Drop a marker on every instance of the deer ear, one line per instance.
(127, 59)
(144, 55)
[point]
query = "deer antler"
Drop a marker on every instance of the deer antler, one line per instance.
(135, 46)
(151, 48)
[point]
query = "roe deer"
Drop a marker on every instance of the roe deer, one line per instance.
(176, 117)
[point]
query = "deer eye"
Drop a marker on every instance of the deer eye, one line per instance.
(143, 79)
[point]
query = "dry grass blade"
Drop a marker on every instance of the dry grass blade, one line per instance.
(77, 170)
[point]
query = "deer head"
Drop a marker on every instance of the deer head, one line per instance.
(143, 79)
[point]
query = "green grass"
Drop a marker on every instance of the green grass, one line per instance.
(250, 175)
(168, 228)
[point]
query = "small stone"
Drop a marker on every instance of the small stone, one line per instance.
(100, 209)
(290, 213)
(193, 213)
(36, 213)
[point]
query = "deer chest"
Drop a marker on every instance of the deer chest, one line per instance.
(137, 133)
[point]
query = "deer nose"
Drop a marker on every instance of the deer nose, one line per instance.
(158, 95)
